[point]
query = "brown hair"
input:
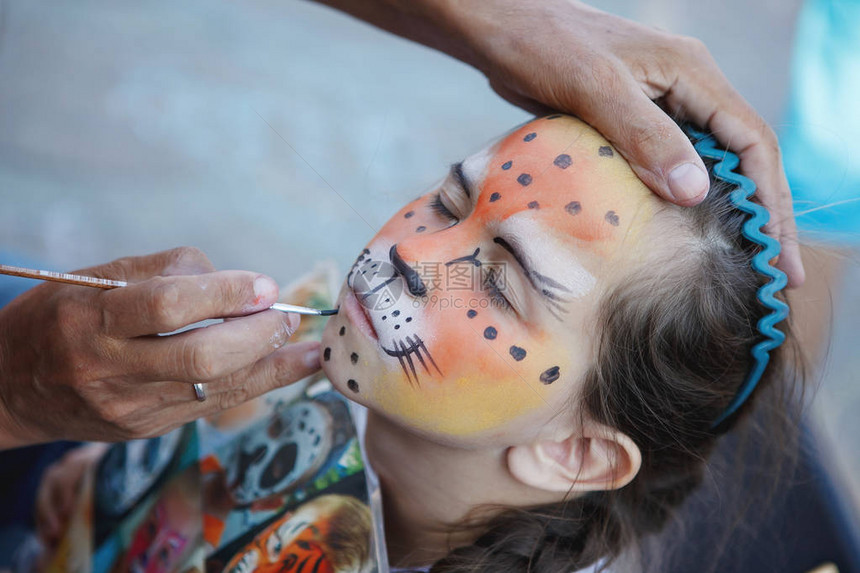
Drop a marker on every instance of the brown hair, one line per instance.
(347, 542)
(674, 347)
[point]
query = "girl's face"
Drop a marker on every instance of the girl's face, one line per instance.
(470, 316)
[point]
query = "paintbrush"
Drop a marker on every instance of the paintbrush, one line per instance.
(111, 284)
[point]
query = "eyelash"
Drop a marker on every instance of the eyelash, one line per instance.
(440, 209)
(495, 292)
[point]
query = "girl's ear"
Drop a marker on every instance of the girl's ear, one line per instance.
(595, 459)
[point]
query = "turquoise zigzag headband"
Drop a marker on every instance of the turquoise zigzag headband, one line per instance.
(706, 145)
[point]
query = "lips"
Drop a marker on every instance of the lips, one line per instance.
(357, 315)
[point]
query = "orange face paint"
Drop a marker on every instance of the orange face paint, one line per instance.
(549, 207)
(294, 543)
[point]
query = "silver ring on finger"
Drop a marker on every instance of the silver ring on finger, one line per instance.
(199, 392)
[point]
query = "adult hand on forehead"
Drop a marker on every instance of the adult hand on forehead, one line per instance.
(563, 55)
(86, 364)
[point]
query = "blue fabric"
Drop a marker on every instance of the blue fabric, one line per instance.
(821, 136)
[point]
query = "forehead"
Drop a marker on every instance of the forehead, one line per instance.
(562, 173)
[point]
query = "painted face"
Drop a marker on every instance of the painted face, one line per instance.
(169, 531)
(156, 546)
(293, 446)
(130, 469)
(293, 543)
(471, 312)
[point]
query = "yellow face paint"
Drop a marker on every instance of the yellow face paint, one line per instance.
(546, 212)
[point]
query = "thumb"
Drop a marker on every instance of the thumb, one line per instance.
(657, 149)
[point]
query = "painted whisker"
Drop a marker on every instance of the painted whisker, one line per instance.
(403, 366)
(423, 347)
(406, 354)
(418, 353)
(404, 351)
(548, 281)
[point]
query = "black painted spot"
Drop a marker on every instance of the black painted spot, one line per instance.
(352, 385)
(408, 214)
(353, 358)
(573, 207)
(472, 313)
(384, 316)
(612, 218)
(517, 353)
(524, 179)
(342, 330)
(507, 165)
(534, 205)
(396, 327)
(563, 161)
(556, 116)
(366, 251)
(327, 353)
(549, 375)
(495, 197)
(408, 319)
(530, 136)
(605, 151)
(282, 463)
(275, 429)
(395, 313)
(420, 229)
(490, 333)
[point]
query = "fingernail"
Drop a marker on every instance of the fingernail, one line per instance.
(312, 358)
(293, 320)
(265, 292)
(289, 324)
(688, 181)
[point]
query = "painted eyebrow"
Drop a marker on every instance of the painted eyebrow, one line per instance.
(533, 276)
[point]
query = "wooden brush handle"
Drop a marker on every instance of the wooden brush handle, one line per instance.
(60, 277)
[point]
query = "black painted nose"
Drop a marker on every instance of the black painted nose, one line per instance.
(413, 281)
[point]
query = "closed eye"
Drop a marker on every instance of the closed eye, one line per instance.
(440, 209)
(454, 200)
(494, 291)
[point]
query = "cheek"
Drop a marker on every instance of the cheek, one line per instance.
(493, 372)
(485, 344)
(348, 360)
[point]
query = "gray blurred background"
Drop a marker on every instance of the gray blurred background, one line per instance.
(276, 133)
(130, 127)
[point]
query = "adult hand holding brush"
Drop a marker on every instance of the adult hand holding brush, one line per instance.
(79, 363)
